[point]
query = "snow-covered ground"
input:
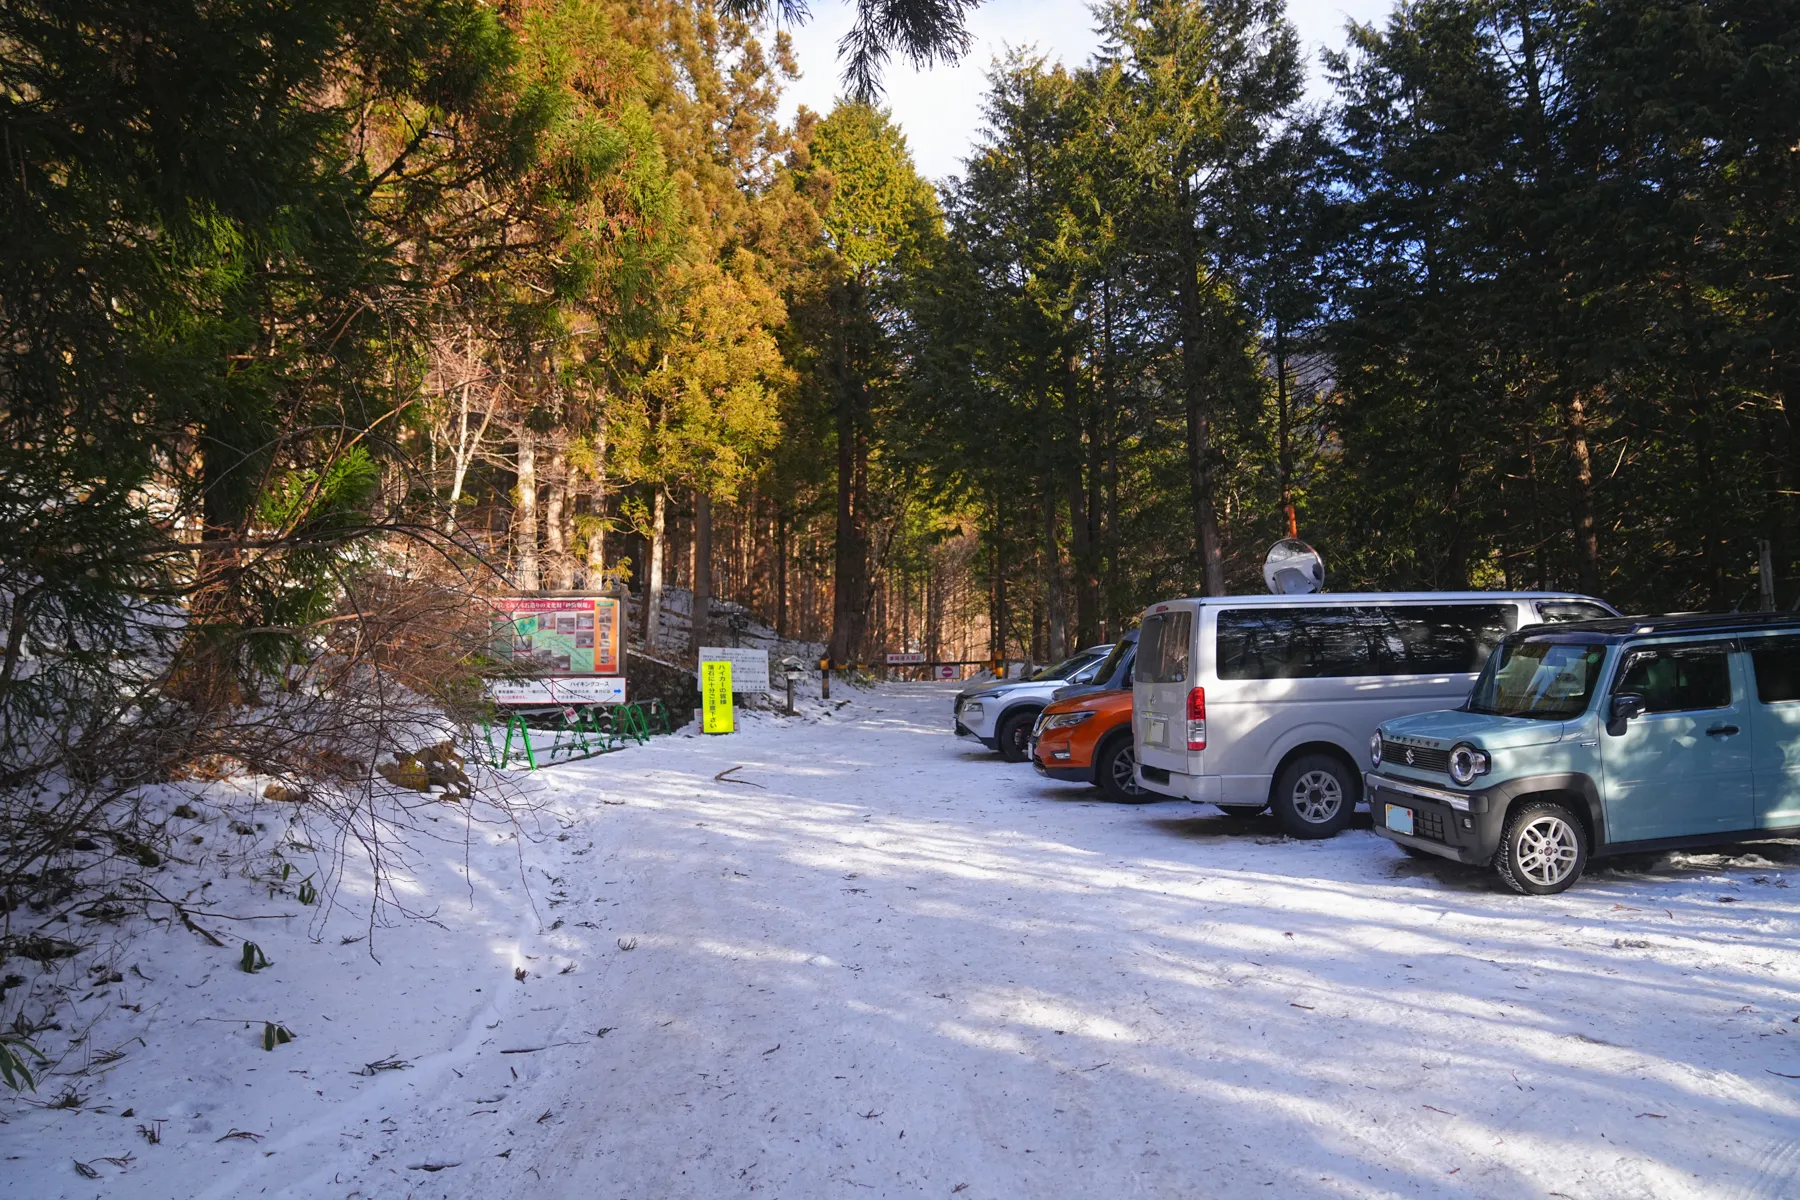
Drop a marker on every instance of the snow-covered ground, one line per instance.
(852, 954)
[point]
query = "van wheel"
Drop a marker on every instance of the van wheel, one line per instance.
(1115, 770)
(1543, 850)
(1315, 797)
(1014, 736)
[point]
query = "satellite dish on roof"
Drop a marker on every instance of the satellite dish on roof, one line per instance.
(1293, 568)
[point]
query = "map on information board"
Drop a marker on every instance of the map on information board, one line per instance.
(559, 635)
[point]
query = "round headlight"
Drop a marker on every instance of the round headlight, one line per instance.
(1375, 748)
(1466, 762)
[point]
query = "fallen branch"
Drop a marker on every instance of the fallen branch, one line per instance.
(535, 1049)
(720, 777)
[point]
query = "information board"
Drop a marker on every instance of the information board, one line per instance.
(749, 668)
(901, 660)
(715, 697)
(567, 648)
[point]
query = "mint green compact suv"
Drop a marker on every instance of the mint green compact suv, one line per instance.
(1602, 737)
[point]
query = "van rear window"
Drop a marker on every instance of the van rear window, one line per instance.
(1163, 648)
(1333, 642)
(1555, 612)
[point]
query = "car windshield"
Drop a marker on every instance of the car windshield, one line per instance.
(1547, 681)
(1110, 667)
(1064, 669)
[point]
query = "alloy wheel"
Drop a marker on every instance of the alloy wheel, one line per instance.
(1124, 771)
(1547, 850)
(1317, 797)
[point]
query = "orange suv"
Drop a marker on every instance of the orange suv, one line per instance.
(1087, 739)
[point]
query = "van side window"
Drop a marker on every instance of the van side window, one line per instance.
(1777, 664)
(1682, 680)
(1554, 612)
(1314, 642)
(1162, 655)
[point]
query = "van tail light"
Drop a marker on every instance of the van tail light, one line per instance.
(1196, 719)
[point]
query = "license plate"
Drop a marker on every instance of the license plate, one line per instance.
(1400, 820)
(1156, 731)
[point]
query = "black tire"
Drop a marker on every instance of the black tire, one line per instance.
(1315, 796)
(1115, 770)
(1241, 811)
(1543, 851)
(1014, 735)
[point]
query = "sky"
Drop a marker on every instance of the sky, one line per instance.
(939, 109)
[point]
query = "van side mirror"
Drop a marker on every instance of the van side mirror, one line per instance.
(1625, 706)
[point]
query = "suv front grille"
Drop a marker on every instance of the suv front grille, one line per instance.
(1422, 758)
(1428, 824)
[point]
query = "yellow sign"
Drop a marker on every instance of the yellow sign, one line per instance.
(715, 697)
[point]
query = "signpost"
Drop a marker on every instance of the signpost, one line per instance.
(749, 668)
(715, 697)
(564, 697)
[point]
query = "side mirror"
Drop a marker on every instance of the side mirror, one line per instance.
(1625, 705)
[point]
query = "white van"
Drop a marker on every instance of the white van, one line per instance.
(1250, 702)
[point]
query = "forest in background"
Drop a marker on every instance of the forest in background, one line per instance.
(325, 318)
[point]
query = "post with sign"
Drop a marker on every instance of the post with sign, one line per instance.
(715, 697)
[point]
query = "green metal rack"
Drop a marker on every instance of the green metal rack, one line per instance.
(544, 736)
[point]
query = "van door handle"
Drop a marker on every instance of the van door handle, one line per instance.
(1721, 731)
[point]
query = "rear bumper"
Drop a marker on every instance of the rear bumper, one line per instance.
(1462, 826)
(1064, 774)
(1201, 789)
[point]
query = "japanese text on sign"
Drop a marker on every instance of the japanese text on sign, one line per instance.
(715, 697)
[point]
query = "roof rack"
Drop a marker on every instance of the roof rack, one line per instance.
(1641, 626)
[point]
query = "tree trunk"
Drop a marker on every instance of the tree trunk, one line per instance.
(700, 623)
(653, 584)
(556, 505)
(781, 574)
(596, 535)
(1055, 607)
(525, 517)
(849, 606)
(1198, 408)
(1107, 478)
(997, 636)
(934, 614)
(1587, 536)
(1284, 456)
(466, 446)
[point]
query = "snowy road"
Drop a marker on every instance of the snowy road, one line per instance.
(899, 966)
(875, 960)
